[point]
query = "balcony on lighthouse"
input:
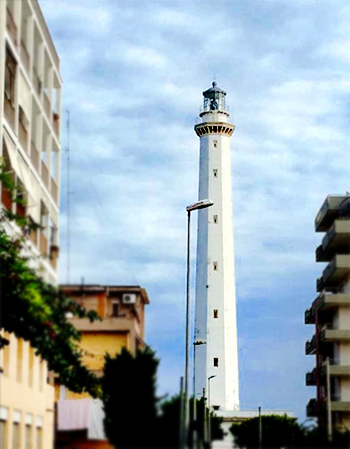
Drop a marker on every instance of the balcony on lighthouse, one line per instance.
(214, 106)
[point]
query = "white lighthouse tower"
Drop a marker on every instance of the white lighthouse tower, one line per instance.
(215, 325)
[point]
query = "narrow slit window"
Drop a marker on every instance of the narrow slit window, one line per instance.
(215, 266)
(215, 172)
(215, 143)
(216, 361)
(216, 313)
(215, 218)
(115, 309)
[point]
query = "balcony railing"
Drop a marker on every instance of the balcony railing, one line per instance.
(54, 190)
(311, 408)
(310, 346)
(43, 244)
(6, 198)
(11, 26)
(45, 174)
(23, 136)
(47, 106)
(309, 316)
(34, 156)
(25, 58)
(9, 111)
(310, 378)
(56, 124)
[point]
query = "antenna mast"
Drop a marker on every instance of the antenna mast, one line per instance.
(68, 196)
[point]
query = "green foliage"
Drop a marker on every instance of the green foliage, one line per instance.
(129, 397)
(281, 431)
(35, 310)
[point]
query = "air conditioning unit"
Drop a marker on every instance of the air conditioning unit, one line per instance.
(129, 298)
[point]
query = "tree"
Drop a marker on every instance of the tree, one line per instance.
(34, 310)
(129, 397)
(281, 431)
(169, 423)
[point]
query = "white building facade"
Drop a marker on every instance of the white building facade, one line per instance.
(215, 316)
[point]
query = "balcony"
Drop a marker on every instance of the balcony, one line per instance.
(336, 241)
(9, 110)
(329, 335)
(23, 136)
(11, 26)
(34, 156)
(310, 346)
(25, 58)
(47, 106)
(336, 369)
(45, 174)
(311, 408)
(329, 212)
(310, 378)
(334, 273)
(43, 244)
(309, 316)
(54, 190)
(327, 301)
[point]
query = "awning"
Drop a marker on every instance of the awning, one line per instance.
(12, 152)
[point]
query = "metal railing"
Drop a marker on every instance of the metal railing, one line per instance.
(25, 58)
(34, 156)
(11, 26)
(45, 174)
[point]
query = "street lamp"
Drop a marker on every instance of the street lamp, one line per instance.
(195, 343)
(209, 419)
(202, 204)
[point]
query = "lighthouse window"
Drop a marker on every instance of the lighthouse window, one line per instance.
(216, 313)
(216, 361)
(215, 218)
(215, 173)
(215, 143)
(215, 266)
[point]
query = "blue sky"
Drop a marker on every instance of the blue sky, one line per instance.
(134, 72)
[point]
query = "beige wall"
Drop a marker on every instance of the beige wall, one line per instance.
(24, 389)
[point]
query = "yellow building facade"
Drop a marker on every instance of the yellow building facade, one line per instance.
(122, 309)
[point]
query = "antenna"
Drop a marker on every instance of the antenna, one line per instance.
(68, 197)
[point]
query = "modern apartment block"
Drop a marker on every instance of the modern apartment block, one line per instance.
(330, 313)
(30, 103)
(123, 311)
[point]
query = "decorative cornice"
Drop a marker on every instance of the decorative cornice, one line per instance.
(214, 128)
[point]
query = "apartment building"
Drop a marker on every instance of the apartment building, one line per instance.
(123, 311)
(330, 314)
(30, 103)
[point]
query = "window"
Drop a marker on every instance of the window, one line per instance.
(3, 427)
(215, 218)
(216, 313)
(215, 266)
(31, 366)
(6, 356)
(16, 436)
(39, 438)
(10, 78)
(215, 172)
(215, 142)
(28, 437)
(115, 309)
(216, 361)
(19, 359)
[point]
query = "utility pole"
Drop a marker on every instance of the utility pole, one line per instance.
(329, 409)
(181, 427)
(205, 439)
(260, 429)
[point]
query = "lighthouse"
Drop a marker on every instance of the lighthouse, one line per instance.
(215, 339)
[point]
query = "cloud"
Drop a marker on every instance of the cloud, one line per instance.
(134, 73)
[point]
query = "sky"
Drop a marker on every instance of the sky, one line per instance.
(134, 73)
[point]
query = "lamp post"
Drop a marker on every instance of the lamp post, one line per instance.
(195, 343)
(202, 204)
(209, 418)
